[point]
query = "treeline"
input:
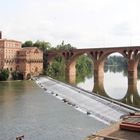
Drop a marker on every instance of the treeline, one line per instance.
(42, 45)
(46, 46)
(116, 64)
(116, 61)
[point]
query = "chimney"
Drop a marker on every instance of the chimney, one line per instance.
(0, 34)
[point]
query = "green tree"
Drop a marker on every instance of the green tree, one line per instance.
(16, 75)
(42, 45)
(83, 68)
(28, 43)
(4, 74)
(57, 69)
(64, 46)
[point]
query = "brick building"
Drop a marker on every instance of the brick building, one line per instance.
(28, 61)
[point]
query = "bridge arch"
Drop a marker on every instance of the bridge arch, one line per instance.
(98, 55)
(116, 68)
(71, 66)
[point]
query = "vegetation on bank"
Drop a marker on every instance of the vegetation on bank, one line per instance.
(4, 74)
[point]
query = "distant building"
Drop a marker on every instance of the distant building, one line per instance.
(28, 60)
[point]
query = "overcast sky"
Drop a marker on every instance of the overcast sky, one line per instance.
(82, 23)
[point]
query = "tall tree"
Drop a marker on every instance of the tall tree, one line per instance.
(42, 45)
(64, 46)
(27, 43)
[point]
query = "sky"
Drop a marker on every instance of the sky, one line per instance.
(82, 23)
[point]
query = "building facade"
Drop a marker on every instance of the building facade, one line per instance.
(28, 61)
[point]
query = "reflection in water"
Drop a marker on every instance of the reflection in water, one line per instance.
(132, 99)
(138, 86)
(115, 86)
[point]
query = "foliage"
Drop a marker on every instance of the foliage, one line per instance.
(116, 64)
(4, 74)
(28, 43)
(64, 46)
(83, 68)
(57, 68)
(16, 75)
(42, 45)
(116, 61)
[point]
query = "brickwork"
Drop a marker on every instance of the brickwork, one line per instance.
(98, 56)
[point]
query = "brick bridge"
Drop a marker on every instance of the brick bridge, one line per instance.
(98, 56)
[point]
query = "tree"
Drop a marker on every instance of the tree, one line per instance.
(57, 69)
(64, 46)
(83, 68)
(4, 74)
(28, 43)
(16, 75)
(42, 45)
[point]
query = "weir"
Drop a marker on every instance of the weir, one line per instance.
(90, 104)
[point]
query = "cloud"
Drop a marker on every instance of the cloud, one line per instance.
(122, 29)
(83, 23)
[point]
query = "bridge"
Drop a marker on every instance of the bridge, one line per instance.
(98, 56)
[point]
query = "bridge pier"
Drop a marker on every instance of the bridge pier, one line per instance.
(132, 76)
(70, 72)
(132, 83)
(98, 77)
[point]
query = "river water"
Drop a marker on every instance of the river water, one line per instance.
(25, 109)
(115, 85)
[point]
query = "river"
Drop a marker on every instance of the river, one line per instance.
(25, 109)
(115, 86)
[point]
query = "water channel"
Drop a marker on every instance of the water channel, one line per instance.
(25, 109)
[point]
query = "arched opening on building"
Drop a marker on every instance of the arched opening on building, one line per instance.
(28, 76)
(84, 72)
(17, 68)
(115, 76)
(36, 69)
